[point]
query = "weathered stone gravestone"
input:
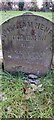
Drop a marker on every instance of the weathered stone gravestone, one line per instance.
(27, 44)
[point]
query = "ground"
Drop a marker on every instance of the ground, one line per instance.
(37, 101)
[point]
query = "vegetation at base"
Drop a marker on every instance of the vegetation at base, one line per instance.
(15, 104)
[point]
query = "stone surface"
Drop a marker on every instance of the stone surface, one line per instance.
(32, 76)
(27, 44)
(37, 82)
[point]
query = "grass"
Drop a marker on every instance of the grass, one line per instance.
(9, 14)
(18, 105)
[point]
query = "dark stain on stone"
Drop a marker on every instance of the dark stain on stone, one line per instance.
(2, 66)
(33, 31)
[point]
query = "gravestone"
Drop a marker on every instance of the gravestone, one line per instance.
(27, 44)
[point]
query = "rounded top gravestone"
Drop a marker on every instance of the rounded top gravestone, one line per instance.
(27, 44)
